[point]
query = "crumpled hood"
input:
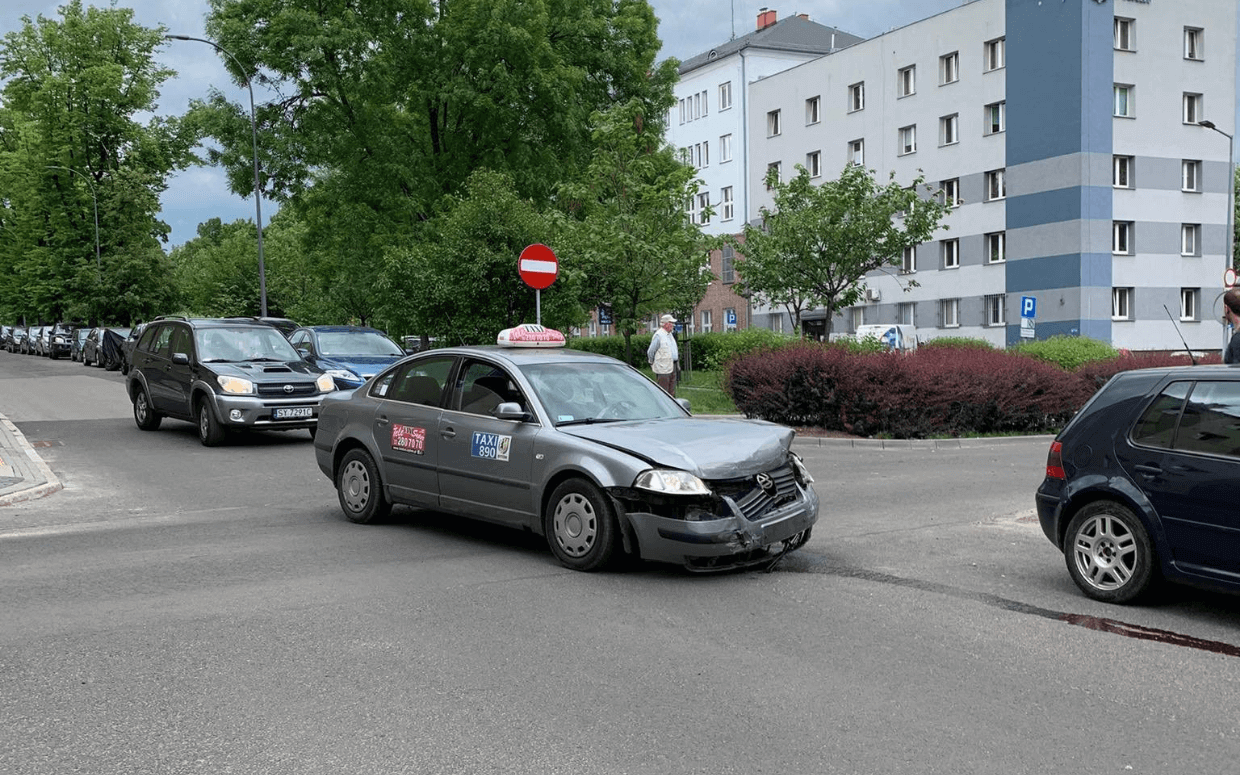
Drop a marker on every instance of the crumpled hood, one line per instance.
(707, 447)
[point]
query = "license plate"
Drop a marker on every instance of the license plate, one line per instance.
(292, 413)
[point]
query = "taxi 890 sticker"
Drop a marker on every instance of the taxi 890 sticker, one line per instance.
(490, 446)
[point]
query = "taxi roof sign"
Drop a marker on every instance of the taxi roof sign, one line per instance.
(530, 335)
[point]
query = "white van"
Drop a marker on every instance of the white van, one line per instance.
(895, 337)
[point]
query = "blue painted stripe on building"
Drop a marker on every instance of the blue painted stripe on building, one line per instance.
(1071, 270)
(1063, 204)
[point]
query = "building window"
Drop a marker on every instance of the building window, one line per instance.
(1192, 108)
(908, 140)
(725, 95)
(906, 313)
(703, 208)
(993, 53)
(772, 175)
(949, 68)
(951, 192)
(706, 321)
(772, 123)
(693, 210)
(813, 110)
(996, 118)
(1123, 100)
(995, 308)
(1194, 39)
(906, 81)
(1121, 238)
(856, 153)
(1190, 175)
(1121, 304)
(813, 164)
(699, 104)
(727, 274)
(996, 247)
(949, 313)
(949, 130)
(951, 253)
(725, 148)
(908, 263)
(856, 97)
(1125, 34)
(725, 200)
(1190, 239)
(1121, 171)
(858, 318)
(682, 111)
(1188, 303)
(996, 185)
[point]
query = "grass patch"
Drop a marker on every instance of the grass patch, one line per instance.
(703, 390)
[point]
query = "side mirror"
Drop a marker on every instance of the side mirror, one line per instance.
(510, 410)
(180, 359)
(684, 404)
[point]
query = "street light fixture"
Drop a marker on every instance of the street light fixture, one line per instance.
(258, 206)
(1231, 188)
(89, 182)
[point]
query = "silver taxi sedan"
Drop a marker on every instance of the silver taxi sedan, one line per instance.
(577, 447)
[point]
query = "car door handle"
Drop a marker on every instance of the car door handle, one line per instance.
(381, 420)
(448, 433)
(1148, 470)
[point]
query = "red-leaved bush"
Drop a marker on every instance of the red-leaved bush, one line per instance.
(932, 392)
(1096, 373)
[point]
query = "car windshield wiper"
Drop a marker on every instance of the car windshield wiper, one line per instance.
(590, 421)
(264, 359)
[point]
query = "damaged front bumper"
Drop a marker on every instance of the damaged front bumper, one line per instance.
(729, 541)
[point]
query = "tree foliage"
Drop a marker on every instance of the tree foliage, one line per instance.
(818, 242)
(72, 144)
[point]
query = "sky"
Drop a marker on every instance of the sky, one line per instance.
(686, 27)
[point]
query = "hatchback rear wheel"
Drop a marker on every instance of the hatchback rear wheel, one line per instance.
(1109, 553)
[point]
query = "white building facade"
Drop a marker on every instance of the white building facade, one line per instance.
(1069, 134)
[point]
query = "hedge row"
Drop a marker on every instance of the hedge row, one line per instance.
(708, 351)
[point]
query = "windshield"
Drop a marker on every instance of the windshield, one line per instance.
(598, 392)
(341, 343)
(260, 343)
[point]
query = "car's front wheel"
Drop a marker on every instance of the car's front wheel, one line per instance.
(210, 432)
(359, 488)
(1109, 553)
(581, 526)
(143, 414)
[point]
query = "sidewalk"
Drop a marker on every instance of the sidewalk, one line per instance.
(23, 474)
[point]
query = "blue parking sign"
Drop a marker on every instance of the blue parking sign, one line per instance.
(1028, 306)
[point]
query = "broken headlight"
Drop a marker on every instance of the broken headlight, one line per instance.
(798, 467)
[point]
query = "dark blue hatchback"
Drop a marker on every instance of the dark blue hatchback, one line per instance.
(350, 354)
(1144, 483)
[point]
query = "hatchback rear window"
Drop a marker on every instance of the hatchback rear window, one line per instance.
(1205, 419)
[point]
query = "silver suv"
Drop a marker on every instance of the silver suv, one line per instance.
(223, 376)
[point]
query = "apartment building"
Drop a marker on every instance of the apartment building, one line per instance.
(1068, 134)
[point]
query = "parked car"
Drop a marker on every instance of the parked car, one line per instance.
(17, 339)
(79, 339)
(577, 447)
(1141, 485)
(60, 340)
(350, 354)
(126, 348)
(224, 376)
(284, 325)
(103, 347)
(6, 337)
(33, 336)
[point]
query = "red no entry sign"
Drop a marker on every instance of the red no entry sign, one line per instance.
(538, 266)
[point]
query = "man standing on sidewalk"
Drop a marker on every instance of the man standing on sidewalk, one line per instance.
(663, 354)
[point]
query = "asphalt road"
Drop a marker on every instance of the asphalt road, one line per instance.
(177, 609)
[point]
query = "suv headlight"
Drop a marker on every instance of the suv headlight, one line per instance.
(671, 482)
(326, 383)
(235, 385)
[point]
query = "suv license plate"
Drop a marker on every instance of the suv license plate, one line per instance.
(292, 413)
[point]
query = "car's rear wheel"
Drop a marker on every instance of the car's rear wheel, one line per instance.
(210, 432)
(580, 525)
(143, 414)
(1109, 553)
(360, 489)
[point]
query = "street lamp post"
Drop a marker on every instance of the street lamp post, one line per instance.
(258, 206)
(1231, 195)
(98, 260)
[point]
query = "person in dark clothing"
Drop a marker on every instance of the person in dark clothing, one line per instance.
(1231, 314)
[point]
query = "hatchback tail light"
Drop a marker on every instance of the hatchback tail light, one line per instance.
(1054, 462)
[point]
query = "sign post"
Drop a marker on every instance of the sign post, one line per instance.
(538, 268)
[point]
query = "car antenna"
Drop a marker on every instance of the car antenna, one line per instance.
(1178, 331)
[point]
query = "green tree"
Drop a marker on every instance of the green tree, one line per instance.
(75, 89)
(628, 230)
(819, 242)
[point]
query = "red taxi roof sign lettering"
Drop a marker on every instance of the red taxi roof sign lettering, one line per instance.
(530, 335)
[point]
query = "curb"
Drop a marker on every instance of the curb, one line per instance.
(27, 475)
(930, 444)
